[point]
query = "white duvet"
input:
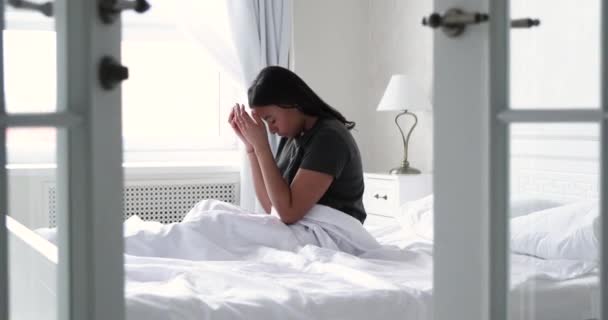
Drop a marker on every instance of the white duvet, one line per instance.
(224, 263)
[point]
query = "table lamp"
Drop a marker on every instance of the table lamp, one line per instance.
(403, 94)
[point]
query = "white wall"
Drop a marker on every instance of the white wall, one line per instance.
(330, 47)
(348, 49)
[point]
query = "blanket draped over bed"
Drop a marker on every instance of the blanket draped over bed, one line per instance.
(222, 262)
(215, 230)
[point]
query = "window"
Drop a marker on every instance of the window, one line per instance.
(175, 103)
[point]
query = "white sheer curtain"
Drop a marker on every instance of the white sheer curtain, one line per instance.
(261, 32)
(243, 36)
(207, 23)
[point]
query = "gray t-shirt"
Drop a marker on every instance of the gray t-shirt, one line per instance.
(327, 147)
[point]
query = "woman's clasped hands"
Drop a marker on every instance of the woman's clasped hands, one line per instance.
(250, 129)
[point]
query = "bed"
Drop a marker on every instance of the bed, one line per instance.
(279, 281)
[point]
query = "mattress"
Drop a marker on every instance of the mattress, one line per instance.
(393, 281)
(169, 275)
(547, 300)
(533, 299)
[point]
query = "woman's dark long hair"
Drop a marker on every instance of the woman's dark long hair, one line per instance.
(279, 86)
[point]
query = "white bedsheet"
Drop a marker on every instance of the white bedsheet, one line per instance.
(221, 263)
(224, 263)
(215, 230)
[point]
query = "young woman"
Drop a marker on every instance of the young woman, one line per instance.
(317, 161)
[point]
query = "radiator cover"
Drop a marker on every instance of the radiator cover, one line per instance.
(162, 202)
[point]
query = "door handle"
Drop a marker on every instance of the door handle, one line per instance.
(525, 23)
(44, 8)
(111, 73)
(109, 10)
(454, 21)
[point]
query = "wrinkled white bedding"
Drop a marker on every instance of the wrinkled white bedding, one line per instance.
(223, 263)
(215, 230)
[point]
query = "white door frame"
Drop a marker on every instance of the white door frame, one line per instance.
(90, 157)
(4, 289)
(471, 148)
(499, 169)
(89, 167)
(461, 167)
(604, 161)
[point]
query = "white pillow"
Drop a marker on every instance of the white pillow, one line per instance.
(569, 231)
(522, 204)
(566, 232)
(417, 216)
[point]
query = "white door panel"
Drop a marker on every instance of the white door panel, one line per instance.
(461, 169)
(482, 87)
(87, 153)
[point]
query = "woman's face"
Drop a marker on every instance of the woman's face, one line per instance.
(285, 122)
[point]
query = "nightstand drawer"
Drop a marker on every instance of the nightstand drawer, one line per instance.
(380, 197)
(385, 193)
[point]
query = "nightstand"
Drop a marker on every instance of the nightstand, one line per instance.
(385, 193)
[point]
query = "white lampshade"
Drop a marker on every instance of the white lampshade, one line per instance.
(403, 93)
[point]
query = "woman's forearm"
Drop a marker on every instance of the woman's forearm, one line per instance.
(277, 189)
(258, 182)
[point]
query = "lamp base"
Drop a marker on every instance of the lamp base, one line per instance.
(404, 170)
